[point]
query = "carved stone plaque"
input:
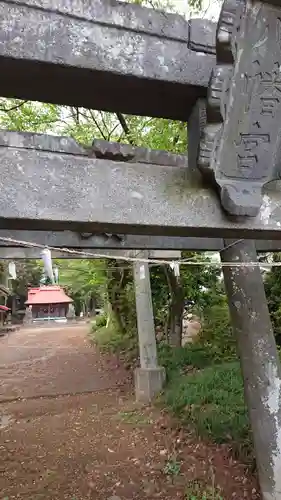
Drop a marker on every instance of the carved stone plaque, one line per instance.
(243, 133)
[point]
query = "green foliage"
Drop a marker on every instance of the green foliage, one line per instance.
(160, 294)
(3, 268)
(108, 339)
(178, 359)
(134, 417)
(212, 400)
(208, 494)
(207, 393)
(28, 116)
(84, 280)
(99, 322)
(120, 295)
(29, 273)
(172, 467)
(84, 125)
(200, 283)
(197, 490)
(112, 340)
(159, 133)
(216, 334)
(273, 294)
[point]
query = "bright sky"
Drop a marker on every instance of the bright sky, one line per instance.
(210, 10)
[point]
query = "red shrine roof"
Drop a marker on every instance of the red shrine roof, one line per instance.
(47, 295)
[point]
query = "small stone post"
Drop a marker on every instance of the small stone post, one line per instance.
(259, 361)
(150, 377)
(27, 320)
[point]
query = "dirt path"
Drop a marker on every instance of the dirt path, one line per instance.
(52, 361)
(77, 434)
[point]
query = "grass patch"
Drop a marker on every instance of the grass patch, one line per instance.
(134, 417)
(177, 359)
(203, 390)
(110, 339)
(172, 467)
(196, 490)
(211, 398)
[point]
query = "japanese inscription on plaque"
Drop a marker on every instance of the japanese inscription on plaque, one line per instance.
(245, 104)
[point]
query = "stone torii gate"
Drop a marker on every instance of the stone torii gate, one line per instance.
(135, 60)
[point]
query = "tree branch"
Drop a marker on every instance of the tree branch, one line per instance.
(125, 127)
(113, 130)
(97, 125)
(105, 125)
(13, 108)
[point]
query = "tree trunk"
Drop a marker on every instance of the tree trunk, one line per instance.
(259, 360)
(109, 315)
(176, 307)
(118, 277)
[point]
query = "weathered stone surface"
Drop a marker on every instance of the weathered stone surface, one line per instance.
(240, 145)
(202, 36)
(69, 239)
(259, 358)
(119, 56)
(273, 2)
(148, 383)
(100, 148)
(64, 239)
(149, 378)
(144, 310)
(228, 29)
(19, 253)
(196, 125)
(165, 254)
(118, 14)
(35, 253)
(44, 142)
(125, 152)
(43, 190)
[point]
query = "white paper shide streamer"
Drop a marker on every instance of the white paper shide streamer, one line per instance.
(56, 274)
(176, 268)
(12, 270)
(48, 266)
